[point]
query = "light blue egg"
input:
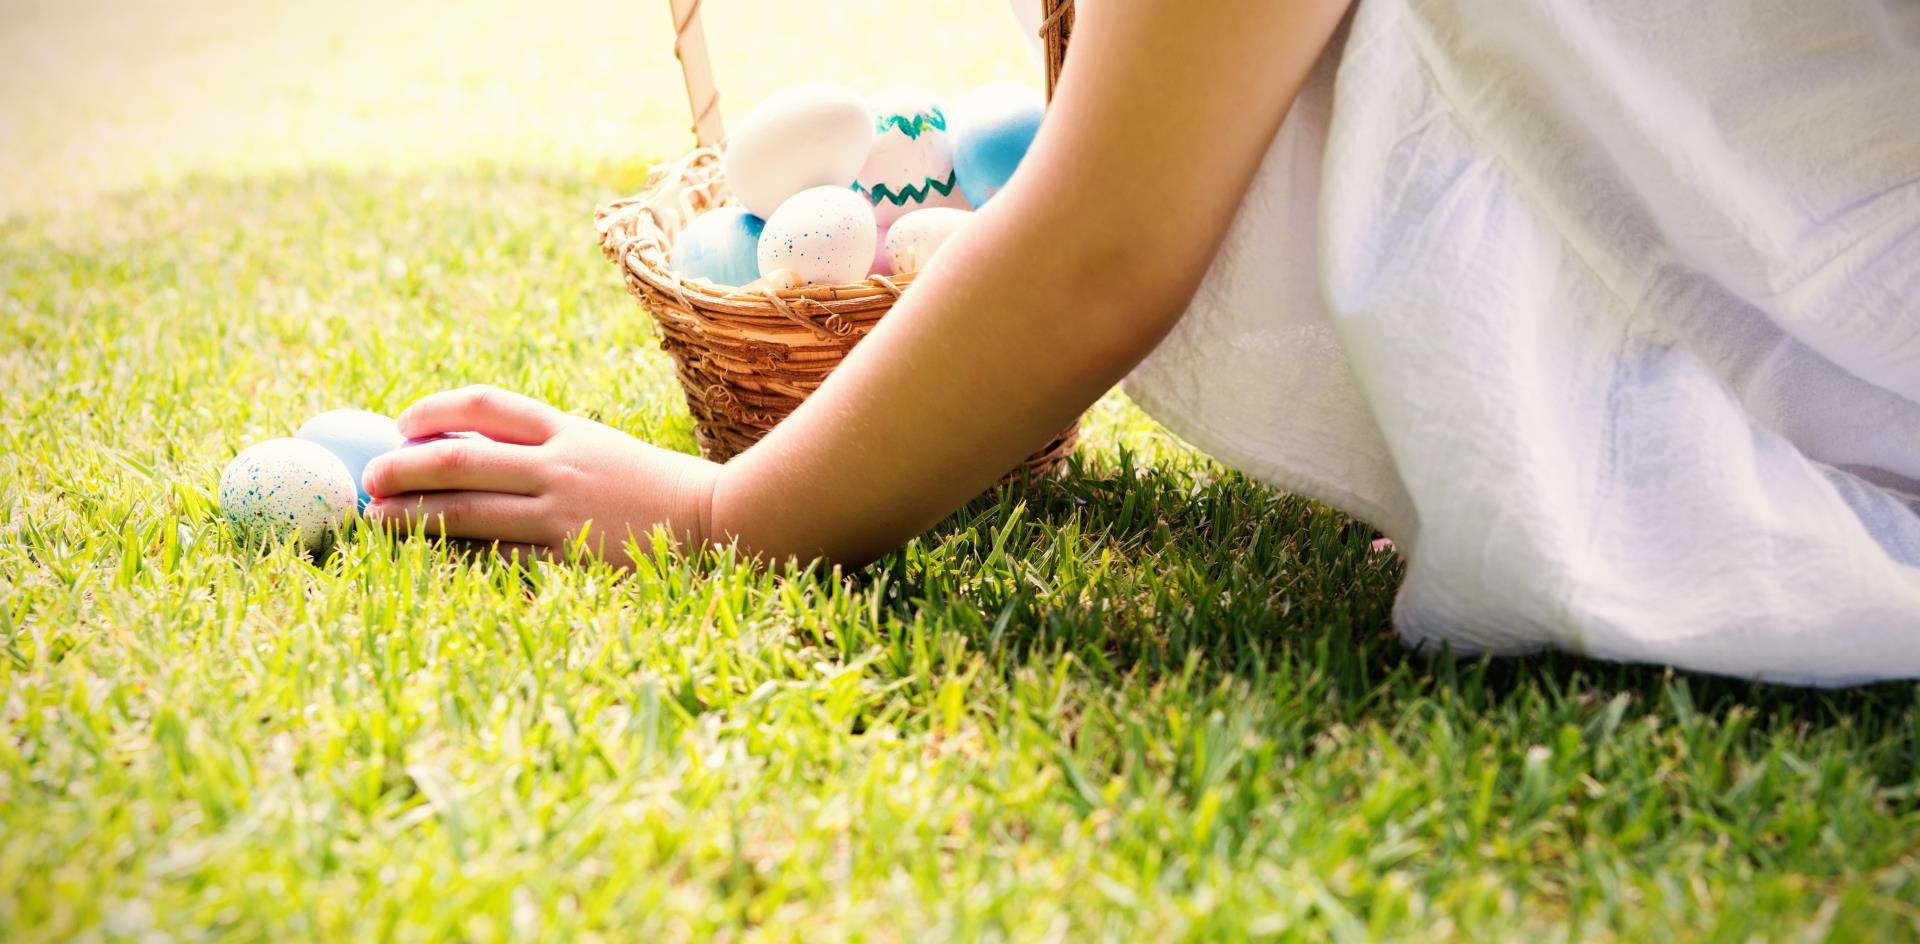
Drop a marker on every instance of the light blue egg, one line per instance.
(356, 437)
(991, 133)
(721, 246)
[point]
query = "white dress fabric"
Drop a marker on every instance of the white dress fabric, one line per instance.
(1608, 313)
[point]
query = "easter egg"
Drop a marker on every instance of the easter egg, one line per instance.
(811, 135)
(912, 242)
(721, 246)
(354, 437)
(992, 129)
(286, 488)
(824, 236)
(910, 166)
(437, 437)
(880, 264)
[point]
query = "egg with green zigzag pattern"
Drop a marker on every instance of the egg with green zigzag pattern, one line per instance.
(910, 165)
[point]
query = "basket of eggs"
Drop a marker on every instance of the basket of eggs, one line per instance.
(763, 257)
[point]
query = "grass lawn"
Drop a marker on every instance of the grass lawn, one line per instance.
(1154, 700)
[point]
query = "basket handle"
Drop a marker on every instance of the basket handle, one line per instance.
(690, 47)
(1056, 23)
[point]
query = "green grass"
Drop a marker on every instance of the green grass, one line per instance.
(1153, 700)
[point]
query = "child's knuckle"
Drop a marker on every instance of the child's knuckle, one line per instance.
(451, 459)
(457, 508)
(478, 395)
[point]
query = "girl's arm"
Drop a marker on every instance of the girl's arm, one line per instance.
(1068, 278)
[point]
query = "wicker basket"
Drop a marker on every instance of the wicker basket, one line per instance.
(747, 359)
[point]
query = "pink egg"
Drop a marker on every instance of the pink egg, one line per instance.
(436, 437)
(880, 264)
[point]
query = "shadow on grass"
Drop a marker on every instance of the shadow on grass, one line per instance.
(1193, 568)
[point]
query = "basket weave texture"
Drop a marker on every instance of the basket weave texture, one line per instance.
(746, 359)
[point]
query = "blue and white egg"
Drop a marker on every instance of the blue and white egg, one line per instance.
(992, 129)
(912, 241)
(286, 489)
(824, 236)
(721, 246)
(355, 437)
(911, 164)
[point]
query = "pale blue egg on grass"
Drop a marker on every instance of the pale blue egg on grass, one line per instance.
(721, 246)
(286, 489)
(992, 129)
(356, 437)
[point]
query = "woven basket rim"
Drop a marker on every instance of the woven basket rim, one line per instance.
(637, 233)
(746, 358)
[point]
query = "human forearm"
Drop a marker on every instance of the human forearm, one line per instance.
(1060, 286)
(987, 358)
(1056, 289)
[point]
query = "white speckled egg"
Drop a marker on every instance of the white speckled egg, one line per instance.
(911, 164)
(913, 240)
(286, 487)
(811, 135)
(824, 236)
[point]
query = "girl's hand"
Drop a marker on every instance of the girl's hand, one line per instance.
(540, 480)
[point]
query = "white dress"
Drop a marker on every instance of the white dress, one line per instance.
(1608, 313)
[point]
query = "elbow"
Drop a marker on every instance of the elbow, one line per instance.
(1123, 306)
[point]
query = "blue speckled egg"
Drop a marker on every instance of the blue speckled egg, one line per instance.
(284, 488)
(721, 246)
(992, 129)
(824, 236)
(355, 437)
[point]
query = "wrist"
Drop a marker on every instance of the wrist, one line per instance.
(727, 518)
(702, 528)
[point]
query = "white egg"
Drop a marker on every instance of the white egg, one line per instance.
(286, 487)
(911, 164)
(810, 135)
(824, 236)
(913, 240)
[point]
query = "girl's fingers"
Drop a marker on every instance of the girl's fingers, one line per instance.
(448, 465)
(490, 411)
(488, 516)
